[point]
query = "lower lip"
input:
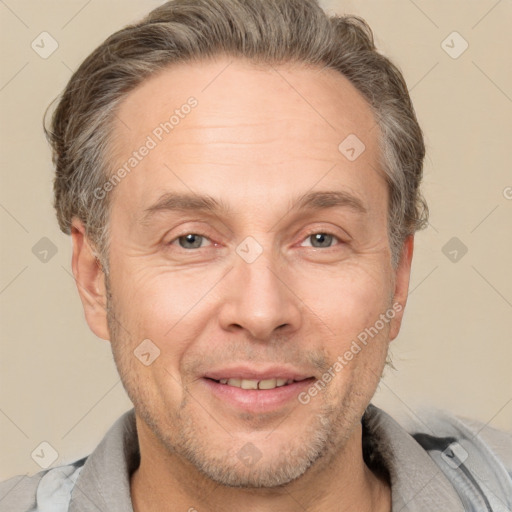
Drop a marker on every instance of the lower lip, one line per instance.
(257, 400)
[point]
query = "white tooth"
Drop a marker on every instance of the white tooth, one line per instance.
(255, 384)
(249, 384)
(268, 383)
(234, 382)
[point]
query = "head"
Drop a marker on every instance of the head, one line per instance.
(241, 181)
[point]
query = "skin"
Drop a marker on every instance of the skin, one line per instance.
(259, 138)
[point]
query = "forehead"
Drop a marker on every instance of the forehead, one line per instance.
(263, 128)
(243, 88)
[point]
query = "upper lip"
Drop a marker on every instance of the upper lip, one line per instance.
(246, 372)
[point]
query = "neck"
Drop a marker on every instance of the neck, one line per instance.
(339, 482)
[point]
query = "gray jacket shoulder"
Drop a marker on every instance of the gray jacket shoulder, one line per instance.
(18, 494)
(27, 493)
(498, 441)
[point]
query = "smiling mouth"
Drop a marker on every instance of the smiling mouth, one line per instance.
(258, 384)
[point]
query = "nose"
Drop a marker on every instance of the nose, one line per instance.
(259, 301)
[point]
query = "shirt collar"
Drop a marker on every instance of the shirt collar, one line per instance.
(417, 484)
(104, 482)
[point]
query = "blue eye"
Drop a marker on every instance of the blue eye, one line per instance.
(321, 240)
(191, 241)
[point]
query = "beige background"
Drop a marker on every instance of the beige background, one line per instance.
(58, 382)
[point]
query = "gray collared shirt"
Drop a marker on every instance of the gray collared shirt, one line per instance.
(445, 466)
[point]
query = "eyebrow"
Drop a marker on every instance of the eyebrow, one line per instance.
(207, 204)
(186, 202)
(330, 199)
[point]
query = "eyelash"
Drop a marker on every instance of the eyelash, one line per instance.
(328, 233)
(309, 234)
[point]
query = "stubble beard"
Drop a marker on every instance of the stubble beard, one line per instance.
(320, 442)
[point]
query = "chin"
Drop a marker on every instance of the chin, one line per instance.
(237, 460)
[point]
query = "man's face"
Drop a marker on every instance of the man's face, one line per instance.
(265, 285)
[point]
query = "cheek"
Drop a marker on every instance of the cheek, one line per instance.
(171, 308)
(346, 300)
(159, 319)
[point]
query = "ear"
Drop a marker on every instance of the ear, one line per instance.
(90, 281)
(402, 276)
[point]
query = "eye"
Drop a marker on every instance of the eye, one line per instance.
(321, 240)
(190, 241)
